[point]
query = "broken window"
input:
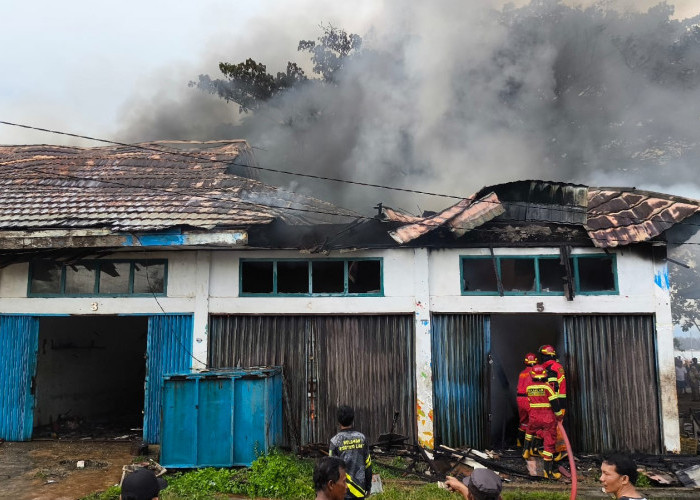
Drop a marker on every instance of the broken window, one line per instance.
(328, 276)
(364, 276)
(45, 277)
(311, 277)
(518, 275)
(537, 274)
(257, 277)
(292, 276)
(552, 274)
(479, 275)
(596, 274)
(97, 277)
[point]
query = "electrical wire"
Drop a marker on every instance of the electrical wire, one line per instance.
(257, 204)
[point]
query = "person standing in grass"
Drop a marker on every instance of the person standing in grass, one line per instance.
(351, 446)
(618, 475)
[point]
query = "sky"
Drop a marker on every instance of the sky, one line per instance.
(118, 70)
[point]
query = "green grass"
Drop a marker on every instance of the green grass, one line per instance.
(111, 494)
(283, 476)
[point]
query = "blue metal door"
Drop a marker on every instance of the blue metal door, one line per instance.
(19, 338)
(460, 347)
(168, 351)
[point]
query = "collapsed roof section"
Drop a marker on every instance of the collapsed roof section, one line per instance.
(512, 211)
(146, 187)
(619, 216)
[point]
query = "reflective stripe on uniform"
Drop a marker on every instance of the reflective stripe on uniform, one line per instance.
(353, 488)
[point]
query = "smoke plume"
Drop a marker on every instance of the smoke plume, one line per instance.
(450, 96)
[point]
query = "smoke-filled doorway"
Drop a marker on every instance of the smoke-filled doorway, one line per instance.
(513, 336)
(90, 376)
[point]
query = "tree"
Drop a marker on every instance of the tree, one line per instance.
(249, 85)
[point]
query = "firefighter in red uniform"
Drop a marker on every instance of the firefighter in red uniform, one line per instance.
(524, 379)
(555, 370)
(545, 411)
(556, 378)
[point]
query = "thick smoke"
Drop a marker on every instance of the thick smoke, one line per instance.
(450, 96)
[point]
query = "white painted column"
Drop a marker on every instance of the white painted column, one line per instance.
(424, 374)
(664, 340)
(201, 310)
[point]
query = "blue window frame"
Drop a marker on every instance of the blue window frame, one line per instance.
(593, 274)
(311, 277)
(87, 278)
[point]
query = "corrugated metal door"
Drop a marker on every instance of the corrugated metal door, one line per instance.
(460, 347)
(365, 361)
(244, 341)
(368, 363)
(612, 383)
(19, 337)
(168, 351)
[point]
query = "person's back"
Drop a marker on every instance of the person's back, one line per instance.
(351, 446)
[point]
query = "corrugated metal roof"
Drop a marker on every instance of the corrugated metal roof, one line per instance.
(620, 216)
(134, 188)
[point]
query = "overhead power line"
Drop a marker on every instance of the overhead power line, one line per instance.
(200, 158)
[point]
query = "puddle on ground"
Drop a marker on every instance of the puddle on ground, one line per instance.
(48, 470)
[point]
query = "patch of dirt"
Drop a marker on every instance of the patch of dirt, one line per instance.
(48, 470)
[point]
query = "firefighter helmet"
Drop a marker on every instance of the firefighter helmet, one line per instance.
(538, 372)
(530, 359)
(548, 350)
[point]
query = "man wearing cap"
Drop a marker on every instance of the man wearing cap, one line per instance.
(142, 484)
(483, 484)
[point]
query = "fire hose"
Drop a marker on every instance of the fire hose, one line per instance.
(572, 464)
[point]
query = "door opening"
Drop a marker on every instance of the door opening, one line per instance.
(512, 337)
(90, 376)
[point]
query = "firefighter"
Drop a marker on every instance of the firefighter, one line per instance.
(524, 379)
(557, 379)
(545, 411)
(555, 370)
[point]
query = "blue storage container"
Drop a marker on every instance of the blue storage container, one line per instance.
(220, 419)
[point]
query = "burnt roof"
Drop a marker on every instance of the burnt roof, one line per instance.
(610, 217)
(145, 187)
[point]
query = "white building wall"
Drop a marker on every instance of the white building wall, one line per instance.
(416, 282)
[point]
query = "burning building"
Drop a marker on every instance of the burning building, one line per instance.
(168, 252)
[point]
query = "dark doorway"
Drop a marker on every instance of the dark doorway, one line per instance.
(90, 376)
(512, 337)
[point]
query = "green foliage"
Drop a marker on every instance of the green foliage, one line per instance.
(534, 495)
(643, 481)
(424, 492)
(204, 484)
(279, 475)
(110, 494)
(249, 85)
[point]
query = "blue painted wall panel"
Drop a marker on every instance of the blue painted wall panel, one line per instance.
(179, 441)
(215, 422)
(223, 418)
(19, 337)
(168, 351)
(460, 345)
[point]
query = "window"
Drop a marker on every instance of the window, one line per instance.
(537, 275)
(97, 277)
(595, 274)
(311, 277)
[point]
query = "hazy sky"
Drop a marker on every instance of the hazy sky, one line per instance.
(103, 69)
(77, 65)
